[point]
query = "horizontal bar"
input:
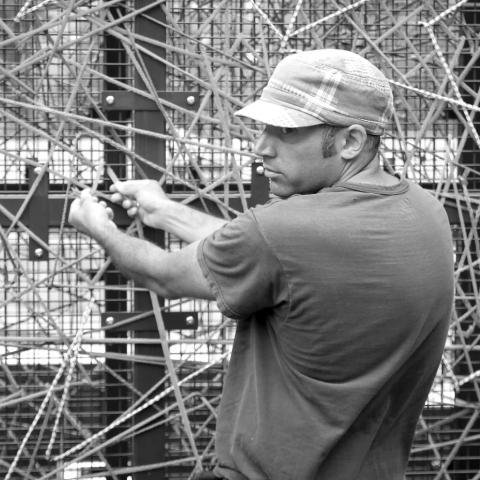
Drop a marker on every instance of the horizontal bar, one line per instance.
(115, 100)
(21, 339)
(56, 203)
(173, 321)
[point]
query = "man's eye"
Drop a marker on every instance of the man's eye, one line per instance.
(287, 130)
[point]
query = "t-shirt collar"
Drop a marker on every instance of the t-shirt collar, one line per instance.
(401, 187)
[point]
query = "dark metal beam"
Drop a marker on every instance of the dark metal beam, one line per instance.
(259, 194)
(114, 100)
(37, 214)
(116, 321)
(56, 206)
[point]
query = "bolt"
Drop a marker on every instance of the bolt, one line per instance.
(260, 170)
(38, 252)
(191, 100)
(37, 170)
(110, 99)
(109, 320)
(190, 320)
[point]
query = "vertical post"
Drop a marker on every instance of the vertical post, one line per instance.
(149, 446)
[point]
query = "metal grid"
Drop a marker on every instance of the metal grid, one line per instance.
(57, 59)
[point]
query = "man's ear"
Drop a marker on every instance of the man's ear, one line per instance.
(353, 141)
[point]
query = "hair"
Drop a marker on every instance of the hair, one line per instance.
(328, 147)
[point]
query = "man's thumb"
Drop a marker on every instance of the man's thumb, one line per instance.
(127, 188)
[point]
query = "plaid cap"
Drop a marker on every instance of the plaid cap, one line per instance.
(329, 86)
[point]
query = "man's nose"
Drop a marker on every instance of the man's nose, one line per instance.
(264, 145)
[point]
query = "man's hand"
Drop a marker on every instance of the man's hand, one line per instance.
(146, 200)
(142, 198)
(90, 216)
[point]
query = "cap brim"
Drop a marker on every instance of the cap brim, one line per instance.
(277, 115)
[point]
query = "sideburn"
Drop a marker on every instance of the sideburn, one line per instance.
(328, 145)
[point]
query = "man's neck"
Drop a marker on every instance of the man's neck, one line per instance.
(369, 173)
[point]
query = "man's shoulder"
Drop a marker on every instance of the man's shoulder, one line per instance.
(294, 207)
(298, 215)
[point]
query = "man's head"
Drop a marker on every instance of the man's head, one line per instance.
(338, 103)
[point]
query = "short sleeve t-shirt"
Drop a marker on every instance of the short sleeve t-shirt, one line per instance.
(343, 300)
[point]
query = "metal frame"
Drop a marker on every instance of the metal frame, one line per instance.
(216, 53)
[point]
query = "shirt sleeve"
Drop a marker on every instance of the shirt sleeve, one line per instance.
(244, 274)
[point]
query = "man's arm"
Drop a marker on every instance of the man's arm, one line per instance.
(171, 275)
(147, 200)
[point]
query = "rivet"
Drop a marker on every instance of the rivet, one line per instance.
(190, 320)
(191, 100)
(109, 320)
(260, 170)
(110, 99)
(37, 170)
(38, 252)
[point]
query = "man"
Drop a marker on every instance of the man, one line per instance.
(342, 285)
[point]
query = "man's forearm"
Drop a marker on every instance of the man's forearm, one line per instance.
(136, 259)
(169, 274)
(189, 224)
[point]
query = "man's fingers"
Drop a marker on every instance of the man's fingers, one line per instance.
(86, 194)
(75, 205)
(128, 188)
(131, 212)
(116, 198)
(127, 203)
(109, 213)
(125, 192)
(75, 211)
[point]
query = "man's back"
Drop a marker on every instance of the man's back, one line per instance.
(344, 304)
